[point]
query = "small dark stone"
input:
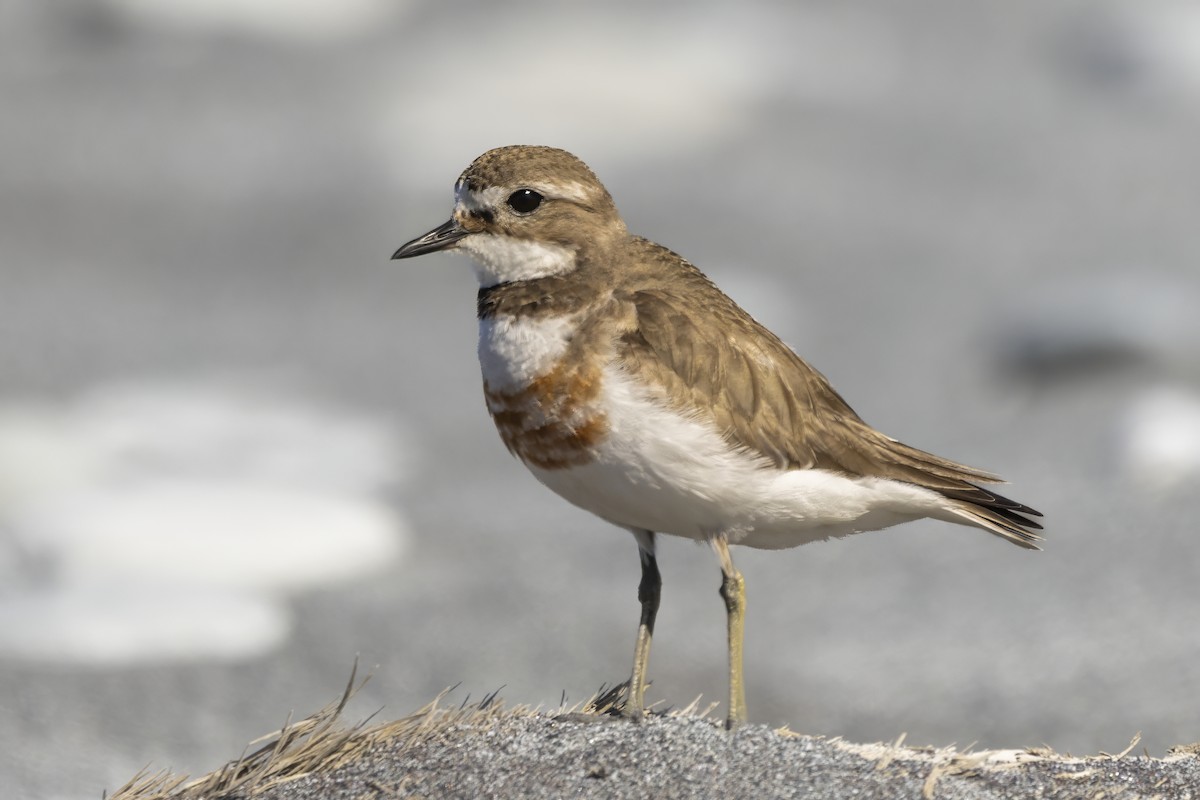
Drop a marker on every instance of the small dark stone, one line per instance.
(598, 771)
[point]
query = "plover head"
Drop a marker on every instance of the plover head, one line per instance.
(525, 212)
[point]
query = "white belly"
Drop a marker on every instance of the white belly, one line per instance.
(659, 471)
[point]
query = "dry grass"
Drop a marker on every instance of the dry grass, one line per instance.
(319, 742)
(322, 742)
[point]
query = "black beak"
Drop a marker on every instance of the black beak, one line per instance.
(440, 238)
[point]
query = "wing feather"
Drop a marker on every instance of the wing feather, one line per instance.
(765, 398)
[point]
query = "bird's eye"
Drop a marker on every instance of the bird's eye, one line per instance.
(524, 201)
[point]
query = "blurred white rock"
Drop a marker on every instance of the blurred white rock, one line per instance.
(119, 624)
(1160, 440)
(211, 532)
(303, 21)
(675, 82)
(157, 493)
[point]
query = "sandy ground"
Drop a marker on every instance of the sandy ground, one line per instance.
(487, 751)
(978, 219)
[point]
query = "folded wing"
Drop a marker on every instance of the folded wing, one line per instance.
(765, 398)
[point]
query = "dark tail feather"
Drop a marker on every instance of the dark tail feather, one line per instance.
(997, 514)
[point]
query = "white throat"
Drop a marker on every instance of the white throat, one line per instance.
(501, 259)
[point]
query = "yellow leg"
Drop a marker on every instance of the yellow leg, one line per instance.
(649, 592)
(733, 591)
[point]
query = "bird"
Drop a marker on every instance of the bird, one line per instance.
(634, 388)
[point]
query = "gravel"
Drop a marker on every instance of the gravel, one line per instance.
(491, 752)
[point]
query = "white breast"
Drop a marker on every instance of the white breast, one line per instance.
(664, 472)
(513, 350)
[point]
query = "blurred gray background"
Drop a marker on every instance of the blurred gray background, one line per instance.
(238, 447)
